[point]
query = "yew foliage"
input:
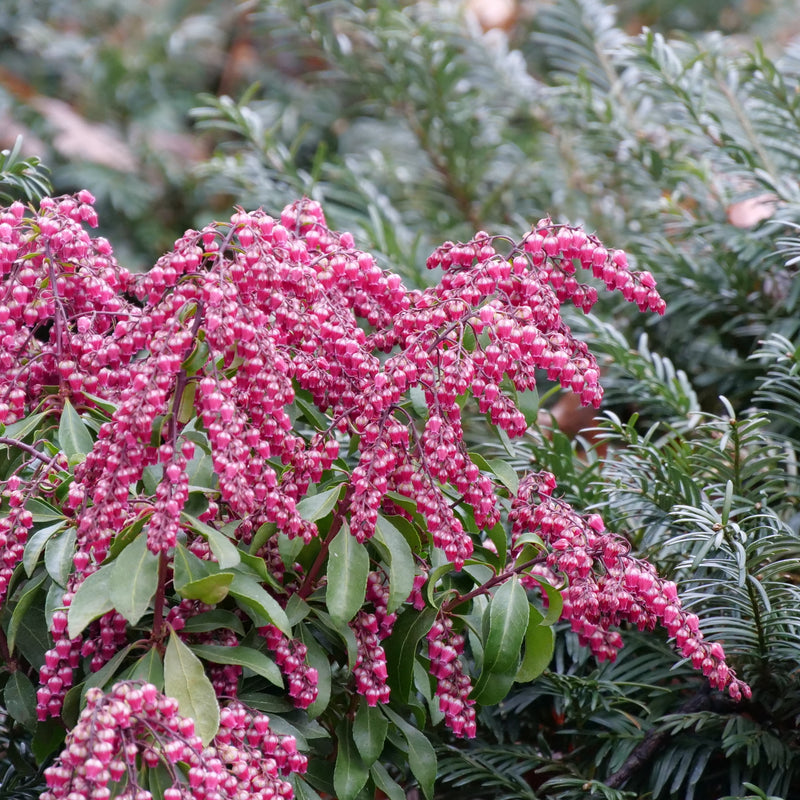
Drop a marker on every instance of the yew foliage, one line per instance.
(238, 484)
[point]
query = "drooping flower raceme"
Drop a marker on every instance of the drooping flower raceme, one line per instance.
(275, 364)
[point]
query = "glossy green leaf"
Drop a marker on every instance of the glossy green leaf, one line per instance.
(348, 567)
(224, 550)
(134, 580)
(492, 687)
(555, 601)
(187, 567)
(401, 649)
(506, 474)
(43, 512)
(302, 789)
(369, 731)
(401, 562)
(24, 603)
(297, 609)
(421, 755)
(344, 632)
(248, 657)
(528, 403)
(350, 774)
(214, 620)
(289, 549)
(310, 411)
(318, 659)
(540, 643)
(20, 699)
(149, 668)
(211, 590)
(158, 780)
(58, 553)
(385, 782)
(319, 505)
(196, 359)
(36, 543)
(250, 594)
(505, 623)
(186, 681)
(90, 601)
(32, 636)
(73, 436)
(48, 738)
(108, 671)
(22, 427)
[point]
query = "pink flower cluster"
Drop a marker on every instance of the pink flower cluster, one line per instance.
(291, 655)
(605, 586)
(134, 728)
(453, 684)
(14, 527)
(370, 628)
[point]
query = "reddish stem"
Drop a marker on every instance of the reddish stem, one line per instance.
(493, 581)
(158, 603)
(336, 524)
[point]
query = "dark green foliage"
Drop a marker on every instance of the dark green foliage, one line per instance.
(21, 178)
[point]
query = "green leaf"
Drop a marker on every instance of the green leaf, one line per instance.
(91, 600)
(528, 404)
(32, 636)
(158, 780)
(248, 657)
(369, 732)
(348, 568)
(555, 601)
(214, 620)
(149, 668)
(385, 782)
(297, 609)
(48, 738)
(20, 699)
(196, 359)
(506, 474)
(350, 774)
(224, 550)
(36, 543)
(211, 590)
(188, 568)
(401, 649)
(344, 632)
(186, 681)
(134, 580)
(505, 623)
(289, 549)
(22, 427)
(319, 505)
(21, 609)
(43, 512)
(318, 659)
(249, 593)
(310, 411)
(401, 562)
(302, 789)
(421, 755)
(104, 675)
(58, 555)
(73, 436)
(540, 643)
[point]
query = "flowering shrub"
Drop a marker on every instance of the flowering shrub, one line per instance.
(239, 484)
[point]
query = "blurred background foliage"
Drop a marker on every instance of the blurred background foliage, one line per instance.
(669, 127)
